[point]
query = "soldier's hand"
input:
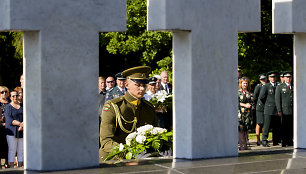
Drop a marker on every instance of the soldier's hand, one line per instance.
(280, 114)
(248, 105)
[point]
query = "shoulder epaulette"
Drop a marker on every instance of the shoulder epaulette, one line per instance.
(148, 103)
(117, 100)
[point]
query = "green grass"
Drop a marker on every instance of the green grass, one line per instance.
(252, 136)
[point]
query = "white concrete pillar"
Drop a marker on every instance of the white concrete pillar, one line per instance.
(289, 17)
(61, 41)
(205, 43)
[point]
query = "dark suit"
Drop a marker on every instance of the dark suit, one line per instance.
(259, 105)
(267, 96)
(169, 87)
(284, 104)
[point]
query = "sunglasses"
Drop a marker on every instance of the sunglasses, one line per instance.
(109, 81)
(2, 92)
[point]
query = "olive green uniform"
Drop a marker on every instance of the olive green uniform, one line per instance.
(116, 125)
(267, 97)
(284, 104)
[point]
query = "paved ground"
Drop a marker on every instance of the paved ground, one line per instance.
(259, 159)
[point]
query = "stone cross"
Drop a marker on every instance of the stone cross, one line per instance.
(289, 17)
(205, 44)
(61, 58)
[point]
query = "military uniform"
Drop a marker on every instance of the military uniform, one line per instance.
(113, 93)
(267, 97)
(121, 116)
(284, 104)
(259, 105)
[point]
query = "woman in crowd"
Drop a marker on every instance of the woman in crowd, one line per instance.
(245, 99)
(20, 93)
(14, 129)
(4, 92)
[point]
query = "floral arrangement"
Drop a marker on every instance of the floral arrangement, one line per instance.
(146, 141)
(161, 100)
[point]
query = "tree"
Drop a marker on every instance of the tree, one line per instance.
(264, 51)
(136, 46)
(10, 58)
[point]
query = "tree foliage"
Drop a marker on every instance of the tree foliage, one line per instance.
(136, 46)
(262, 52)
(10, 58)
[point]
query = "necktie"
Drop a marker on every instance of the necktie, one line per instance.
(123, 91)
(289, 86)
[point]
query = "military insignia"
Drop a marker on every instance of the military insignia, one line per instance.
(284, 89)
(247, 95)
(105, 109)
(271, 90)
(241, 97)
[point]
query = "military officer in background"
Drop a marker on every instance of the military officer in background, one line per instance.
(117, 91)
(281, 77)
(284, 105)
(259, 106)
(267, 97)
(121, 116)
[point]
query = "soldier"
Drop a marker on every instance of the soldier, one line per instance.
(259, 106)
(267, 97)
(284, 105)
(281, 77)
(117, 91)
(121, 116)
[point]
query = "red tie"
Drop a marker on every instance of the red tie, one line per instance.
(123, 91)
(289, 86)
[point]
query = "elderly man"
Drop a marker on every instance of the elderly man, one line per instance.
(165, 85)
(124, 114)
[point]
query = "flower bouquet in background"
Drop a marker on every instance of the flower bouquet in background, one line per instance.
(147, 141)
(161, 100)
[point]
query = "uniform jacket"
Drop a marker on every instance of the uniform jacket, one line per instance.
(113, 93)
(111, 133)
(284, 99)
(267, 97)
(259, 105)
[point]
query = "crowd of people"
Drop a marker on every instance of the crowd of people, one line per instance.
(11, 125)
(271, 104)
(126, 106)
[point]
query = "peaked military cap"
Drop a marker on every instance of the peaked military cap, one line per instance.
(281, 73)
(138, 74)
(152, 80)
(287, 74)
(271, 73)
(119, 76)
(262, 76)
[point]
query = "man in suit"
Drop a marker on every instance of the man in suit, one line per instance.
(267, 97)
(259, 106)
(117, 91)
(110, 83)
(165, 85)
(284, 105)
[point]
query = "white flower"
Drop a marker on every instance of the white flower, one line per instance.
(161, 95)
(158, 130)
(140, 139)
(130, 137)
(144, 129)
(121, 146)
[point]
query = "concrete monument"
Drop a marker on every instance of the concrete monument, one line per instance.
(289, 17)
(205, 43)
(60, 70)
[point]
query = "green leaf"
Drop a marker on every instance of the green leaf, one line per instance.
(129, 155)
